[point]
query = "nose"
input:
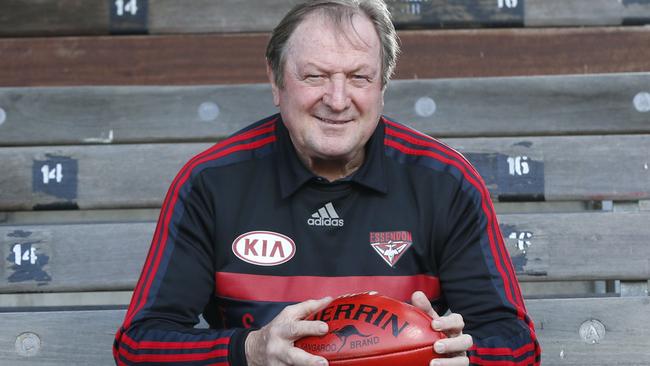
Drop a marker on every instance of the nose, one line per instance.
(336, 96)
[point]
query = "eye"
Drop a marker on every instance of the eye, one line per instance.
(314, 76)
(361, 77)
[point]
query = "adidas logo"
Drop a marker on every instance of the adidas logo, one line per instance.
(325, 216)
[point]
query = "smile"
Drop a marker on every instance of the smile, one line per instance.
(333, 122)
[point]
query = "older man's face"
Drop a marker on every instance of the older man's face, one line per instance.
(332, 96)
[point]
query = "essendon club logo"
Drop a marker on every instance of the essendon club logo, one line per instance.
(391, 245)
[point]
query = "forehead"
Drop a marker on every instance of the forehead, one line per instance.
(321, 40)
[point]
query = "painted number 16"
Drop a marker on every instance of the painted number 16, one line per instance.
(507, 3)
(518, 165)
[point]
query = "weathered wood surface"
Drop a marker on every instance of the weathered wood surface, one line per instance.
(514, 52)
(208, 16)
(541, 105)
(458, 14)
(53, 17)
(75, 17)
(174, 16)
(564, 328)
(585, 12)
(578, 246)
(72, 115)
(538, 105)
(61, 335)
(136, 176)
(612, 167)
(239, 58)
(73, 257)
(109, 256)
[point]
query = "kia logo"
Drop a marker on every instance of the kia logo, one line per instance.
(264, 248)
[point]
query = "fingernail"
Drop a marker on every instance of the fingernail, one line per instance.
(323, 328)
(322, 362)
(440, 347)
(435, 363)
(437, 324)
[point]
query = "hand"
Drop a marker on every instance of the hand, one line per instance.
(273, 344)
(457, 343)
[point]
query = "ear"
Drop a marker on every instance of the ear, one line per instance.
(274, 87)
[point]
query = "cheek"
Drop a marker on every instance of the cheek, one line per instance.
(368, 100)
(300, 97)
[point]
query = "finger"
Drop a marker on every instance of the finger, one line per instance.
(452, 325)
(297, 356)
(306, 308)
(419, 300)
(453, 345)
(455, 361)
(297, 329)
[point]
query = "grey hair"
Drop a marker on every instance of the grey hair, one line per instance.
(336, 10)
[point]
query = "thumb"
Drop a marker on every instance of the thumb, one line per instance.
(420, 301)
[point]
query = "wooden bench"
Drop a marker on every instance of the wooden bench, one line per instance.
(73, 17)
(162, 59)
(565, 157)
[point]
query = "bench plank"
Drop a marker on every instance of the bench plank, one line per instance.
(81, 257)
(75, 17)
(173, 16)
(558, 321)
(208, 16)
(537, 105)
(53, 17)
(585, 12)
(137, 176)
(161, 60)
(109, 256)
(578, 246)
(564, 328)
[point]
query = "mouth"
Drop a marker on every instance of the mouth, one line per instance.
(333, 121)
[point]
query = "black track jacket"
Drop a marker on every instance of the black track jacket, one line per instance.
(246, 229)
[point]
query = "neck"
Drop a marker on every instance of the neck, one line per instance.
(333, 169)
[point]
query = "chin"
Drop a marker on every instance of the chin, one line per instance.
(334, 154)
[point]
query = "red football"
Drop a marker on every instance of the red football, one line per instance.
(370, 329)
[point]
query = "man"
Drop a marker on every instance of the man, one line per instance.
(326, 198)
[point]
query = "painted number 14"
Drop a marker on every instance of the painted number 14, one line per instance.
(507, 3)
(126, 6)
(55, 173)
(27, 256)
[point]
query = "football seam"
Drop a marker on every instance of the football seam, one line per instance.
(384, 354)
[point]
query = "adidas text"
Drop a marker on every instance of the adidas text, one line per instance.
(325, 222)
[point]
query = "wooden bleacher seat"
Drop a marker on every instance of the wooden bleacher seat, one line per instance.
(239, 57)
(94, 126)
(491, 106)
(71, 17)
(541, 120)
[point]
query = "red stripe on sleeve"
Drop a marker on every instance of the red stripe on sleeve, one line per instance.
(498, 249)
(475, 360)
(466, 169)
(505, 351)
(173, 345)
(188, 357)
(155, 253)
(478, 186)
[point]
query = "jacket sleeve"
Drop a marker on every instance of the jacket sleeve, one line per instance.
(175, 286)
(478, 280)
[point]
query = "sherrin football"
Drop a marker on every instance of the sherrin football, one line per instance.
(369, 329)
